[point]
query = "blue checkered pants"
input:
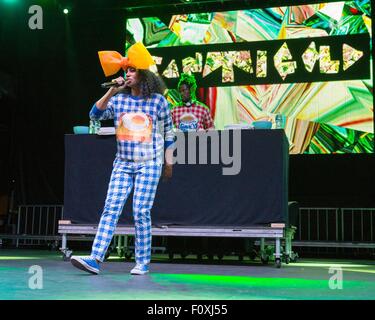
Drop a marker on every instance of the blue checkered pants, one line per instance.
(144, 176)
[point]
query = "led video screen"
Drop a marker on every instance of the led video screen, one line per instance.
(309, 63)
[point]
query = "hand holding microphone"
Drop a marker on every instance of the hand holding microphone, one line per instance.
(118, 83)
(115, 86)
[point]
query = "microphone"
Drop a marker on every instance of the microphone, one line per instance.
(107, 85)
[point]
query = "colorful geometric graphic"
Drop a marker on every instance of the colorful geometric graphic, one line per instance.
(326, 117)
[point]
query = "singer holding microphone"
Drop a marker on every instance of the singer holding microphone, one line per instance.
(143, 125)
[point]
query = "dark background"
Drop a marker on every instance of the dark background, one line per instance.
(50, 78)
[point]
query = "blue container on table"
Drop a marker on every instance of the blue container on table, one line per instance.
(81, 130)
(262, 124)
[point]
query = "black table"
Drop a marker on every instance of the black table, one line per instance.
(198, 194)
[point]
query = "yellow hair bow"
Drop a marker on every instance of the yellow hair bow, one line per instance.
(138, 57)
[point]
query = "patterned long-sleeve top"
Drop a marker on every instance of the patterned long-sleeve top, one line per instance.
(192, 116)
(143, 125)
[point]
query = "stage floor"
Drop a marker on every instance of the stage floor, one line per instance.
(182, 279)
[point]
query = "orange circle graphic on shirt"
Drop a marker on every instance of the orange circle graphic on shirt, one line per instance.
(137, 119)
(135, 126)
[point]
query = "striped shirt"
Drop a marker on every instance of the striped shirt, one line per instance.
(143, 125)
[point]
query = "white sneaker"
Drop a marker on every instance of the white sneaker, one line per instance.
(139, 269)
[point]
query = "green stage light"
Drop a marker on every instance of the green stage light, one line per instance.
(244, 282)
(329, 264)
(10, 1)
(66, 11)
(7, 258)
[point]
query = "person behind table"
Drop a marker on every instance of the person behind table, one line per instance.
(138, 107)
(190, 114)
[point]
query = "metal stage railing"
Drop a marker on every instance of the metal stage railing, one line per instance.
(35, 225)
(319, 228)
(336, 228)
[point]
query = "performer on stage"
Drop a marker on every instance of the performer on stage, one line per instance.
(140, 113)
(190, 114)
